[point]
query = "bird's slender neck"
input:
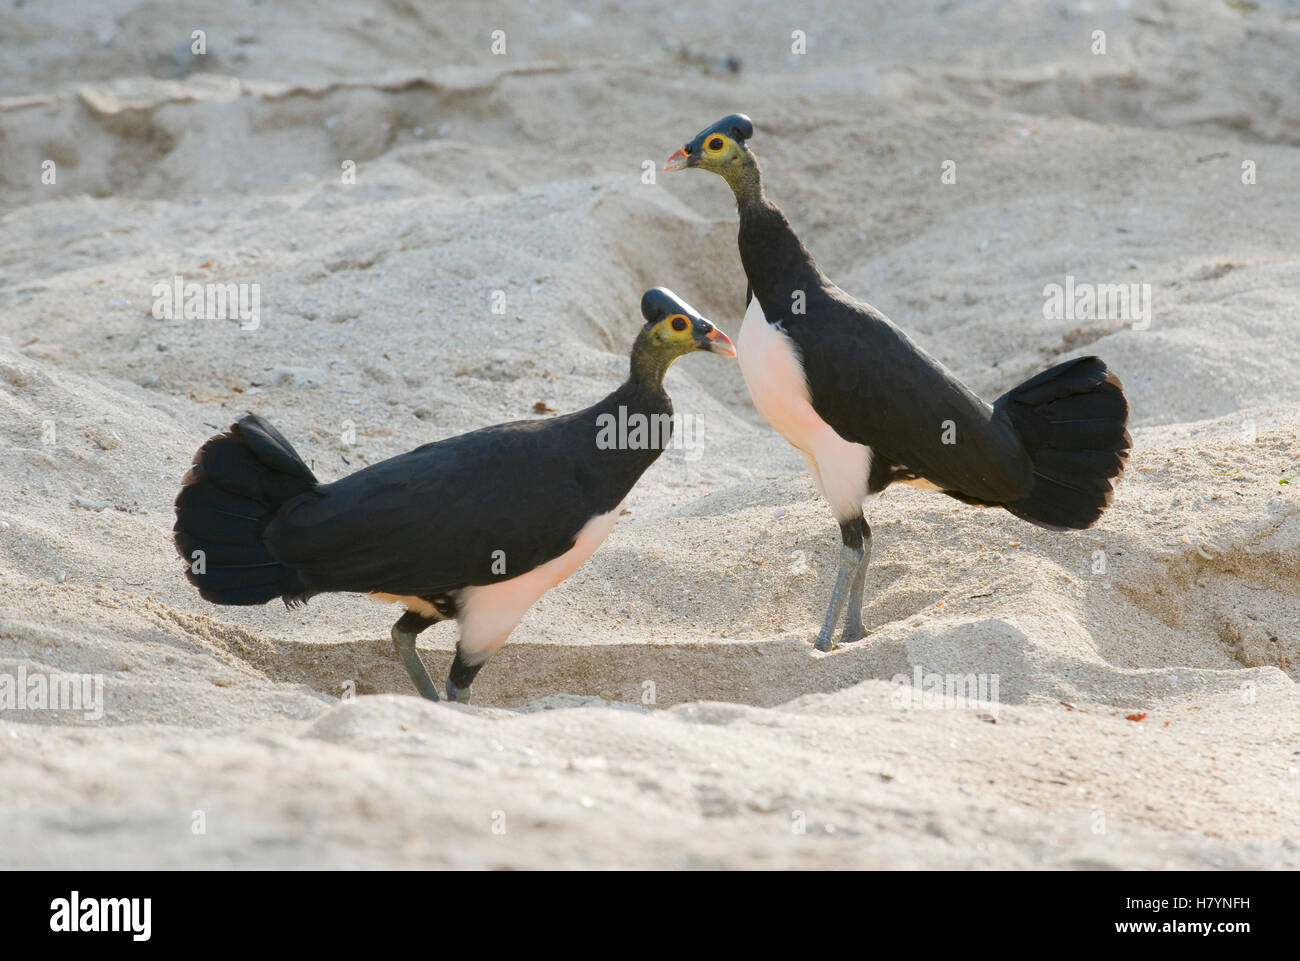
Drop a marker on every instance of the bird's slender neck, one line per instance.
(642, 403)
(746, 182)
(619, 437)
(776, 262)
(649, 364)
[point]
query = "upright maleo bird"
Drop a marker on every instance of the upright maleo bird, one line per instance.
(867, 407)
(476, 527)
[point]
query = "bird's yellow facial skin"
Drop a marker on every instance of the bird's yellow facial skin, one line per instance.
(717, 152)
(674, 332)
(716, 145)
(677, 334)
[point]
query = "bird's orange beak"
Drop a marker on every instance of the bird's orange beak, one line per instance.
(720, 343)
(676, 160)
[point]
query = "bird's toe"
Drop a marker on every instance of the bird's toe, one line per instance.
(851, 633)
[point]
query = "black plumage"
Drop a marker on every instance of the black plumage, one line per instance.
(475, 510)
(870, 382)
(524, 489)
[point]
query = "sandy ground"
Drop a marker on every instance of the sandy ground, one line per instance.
(663, 707)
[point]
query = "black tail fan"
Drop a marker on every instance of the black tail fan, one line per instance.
(234, 489)
(1072, 419)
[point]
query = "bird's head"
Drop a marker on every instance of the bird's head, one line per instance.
(675, 327)
(672, 329)
(719, 147)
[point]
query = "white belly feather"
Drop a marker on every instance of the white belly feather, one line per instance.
(488, 614)
(773, 371)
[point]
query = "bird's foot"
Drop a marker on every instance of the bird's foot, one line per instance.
(853, 631)
(458, 694)
(823, 642)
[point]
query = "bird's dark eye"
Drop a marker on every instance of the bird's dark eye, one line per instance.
(679, 324)
(715, 144)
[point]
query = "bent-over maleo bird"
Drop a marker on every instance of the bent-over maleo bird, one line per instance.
(476, 527)
(867, 407)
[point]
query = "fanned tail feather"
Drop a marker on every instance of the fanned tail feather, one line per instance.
(236, 485)
(1073, 421)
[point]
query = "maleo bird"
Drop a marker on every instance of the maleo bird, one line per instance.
(475, 527)
(867, 407)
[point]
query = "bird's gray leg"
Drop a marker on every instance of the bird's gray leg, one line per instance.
(405, 632)
(850, 560)
(853, 630)
(461, 677)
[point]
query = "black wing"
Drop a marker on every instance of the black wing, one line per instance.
(446, 515)
(874, 386)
